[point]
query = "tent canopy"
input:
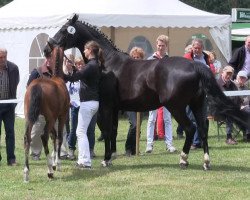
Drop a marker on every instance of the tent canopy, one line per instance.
(22, 14)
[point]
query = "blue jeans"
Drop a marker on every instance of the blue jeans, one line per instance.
(196, 139)
(73, 125)
(7, 116)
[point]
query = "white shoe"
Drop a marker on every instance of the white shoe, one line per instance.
(171, 149)
(149, 149)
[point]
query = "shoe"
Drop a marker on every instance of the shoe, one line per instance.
(171, 149)
(35, 157)
(156, 137)
(12, 163)
(82, 166)
(231, 141)
(92, 154)
(195, 146)
(149, 149)
(100, 138)
(71, 154)
(180, 136)
(64, 157)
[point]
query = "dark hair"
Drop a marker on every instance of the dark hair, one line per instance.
(97, 51)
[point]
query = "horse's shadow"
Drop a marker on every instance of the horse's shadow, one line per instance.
(101, 171)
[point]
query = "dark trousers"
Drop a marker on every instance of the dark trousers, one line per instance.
(7, 116)
(73, 125)
(131, 137)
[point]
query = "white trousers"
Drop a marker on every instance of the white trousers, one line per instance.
(36, 141)
(86, 112)
(167, 123)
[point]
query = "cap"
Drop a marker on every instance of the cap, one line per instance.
(242, 74)
(228, 69)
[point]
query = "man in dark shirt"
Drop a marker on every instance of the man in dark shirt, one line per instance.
(9, 79)
(226, 84)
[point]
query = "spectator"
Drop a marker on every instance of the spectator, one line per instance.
(161, 45)
(89, 99)
(226, 84)
(73, 89)
(216, 63)
(197, 54)
(240, 60)
(240, 82)
(130, 145)
(9, 79)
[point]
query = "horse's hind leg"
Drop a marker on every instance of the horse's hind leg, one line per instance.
(202, 125)
(181, 117)
(45, 139)
(27, 140)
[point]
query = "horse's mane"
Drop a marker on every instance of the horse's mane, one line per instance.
(97, 32)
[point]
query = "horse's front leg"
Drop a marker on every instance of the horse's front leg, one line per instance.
(105, 123)
(27, 140)
(114, 135)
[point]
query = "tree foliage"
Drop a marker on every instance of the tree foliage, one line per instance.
(4, 2)
(219, 7)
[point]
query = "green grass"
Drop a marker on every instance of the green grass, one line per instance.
(148, 176)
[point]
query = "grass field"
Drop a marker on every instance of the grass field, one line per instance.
(148, 176)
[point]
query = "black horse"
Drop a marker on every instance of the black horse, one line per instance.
(143, 85)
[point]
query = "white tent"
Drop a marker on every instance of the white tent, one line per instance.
(22, 20)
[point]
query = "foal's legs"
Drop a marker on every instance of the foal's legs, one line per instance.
(27, 140)
(45, 139)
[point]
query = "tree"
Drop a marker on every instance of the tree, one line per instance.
(4, 2)
(219, 7)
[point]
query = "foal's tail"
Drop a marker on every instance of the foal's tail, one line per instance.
(35, 103)
(221, 106)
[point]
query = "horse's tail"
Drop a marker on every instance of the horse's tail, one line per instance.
(35, 103)
(221, 106)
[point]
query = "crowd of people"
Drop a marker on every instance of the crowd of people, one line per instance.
(82, 80)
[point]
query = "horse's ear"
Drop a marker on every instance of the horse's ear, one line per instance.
(75, 18)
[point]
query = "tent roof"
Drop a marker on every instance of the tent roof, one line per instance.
(22, 14)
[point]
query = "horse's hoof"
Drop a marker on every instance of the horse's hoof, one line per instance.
(184, 165)
(50, 175)
(206, 166)
(105, 163)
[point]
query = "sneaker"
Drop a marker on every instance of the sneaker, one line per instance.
(195, 146)
(82, 166)
(64, 157)
(149, 149)
(12, 163)
(71, 154)
(92, 154)
(100, 138)
(128, 153)
(231, 141)
(171, 149)
(35, 157)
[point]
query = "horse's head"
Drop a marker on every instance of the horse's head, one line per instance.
(69, 36)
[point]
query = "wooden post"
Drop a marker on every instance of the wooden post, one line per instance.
(138, 130)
